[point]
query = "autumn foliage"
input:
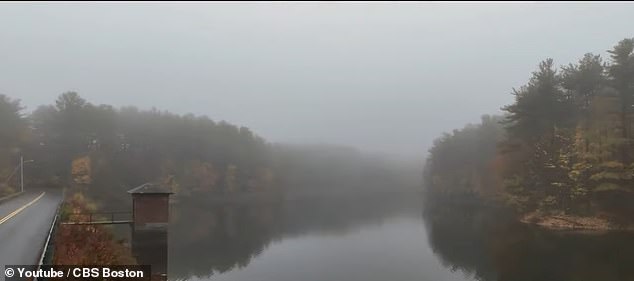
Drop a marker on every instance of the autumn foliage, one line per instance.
(563, 147)
(86, 244)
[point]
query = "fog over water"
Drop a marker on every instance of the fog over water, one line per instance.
(382, 77)
(298, 171)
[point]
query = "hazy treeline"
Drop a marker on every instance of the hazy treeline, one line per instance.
(335, 170)
(463, 162)
(106, 150)
(564, 145)
(74, 141)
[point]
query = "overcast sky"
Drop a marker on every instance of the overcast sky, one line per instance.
(385, 77)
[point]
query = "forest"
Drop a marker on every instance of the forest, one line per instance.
(103, 151)
(76, 143)
(565, 146)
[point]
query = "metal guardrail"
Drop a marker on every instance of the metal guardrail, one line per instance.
(47, 250)
(98, 218)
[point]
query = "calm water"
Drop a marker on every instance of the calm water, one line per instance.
(368, 239)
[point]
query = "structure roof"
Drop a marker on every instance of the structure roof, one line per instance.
(150, 188)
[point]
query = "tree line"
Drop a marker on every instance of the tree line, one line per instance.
(104, 151)
(75, 141)
(565, 145)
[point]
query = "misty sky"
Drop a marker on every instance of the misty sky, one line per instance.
(385, 77)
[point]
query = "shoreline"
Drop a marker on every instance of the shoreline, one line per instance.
(569, 222)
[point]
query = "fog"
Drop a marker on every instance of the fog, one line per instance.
(313, 141)
(382, 77)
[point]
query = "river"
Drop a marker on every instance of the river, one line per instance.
(383, 238)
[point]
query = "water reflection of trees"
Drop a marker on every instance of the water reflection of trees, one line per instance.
(489, 245)
(207, 239)
(460, 239)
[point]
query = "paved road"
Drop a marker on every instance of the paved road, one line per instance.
(22, 234)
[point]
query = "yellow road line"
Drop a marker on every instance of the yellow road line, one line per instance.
(9, 216)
